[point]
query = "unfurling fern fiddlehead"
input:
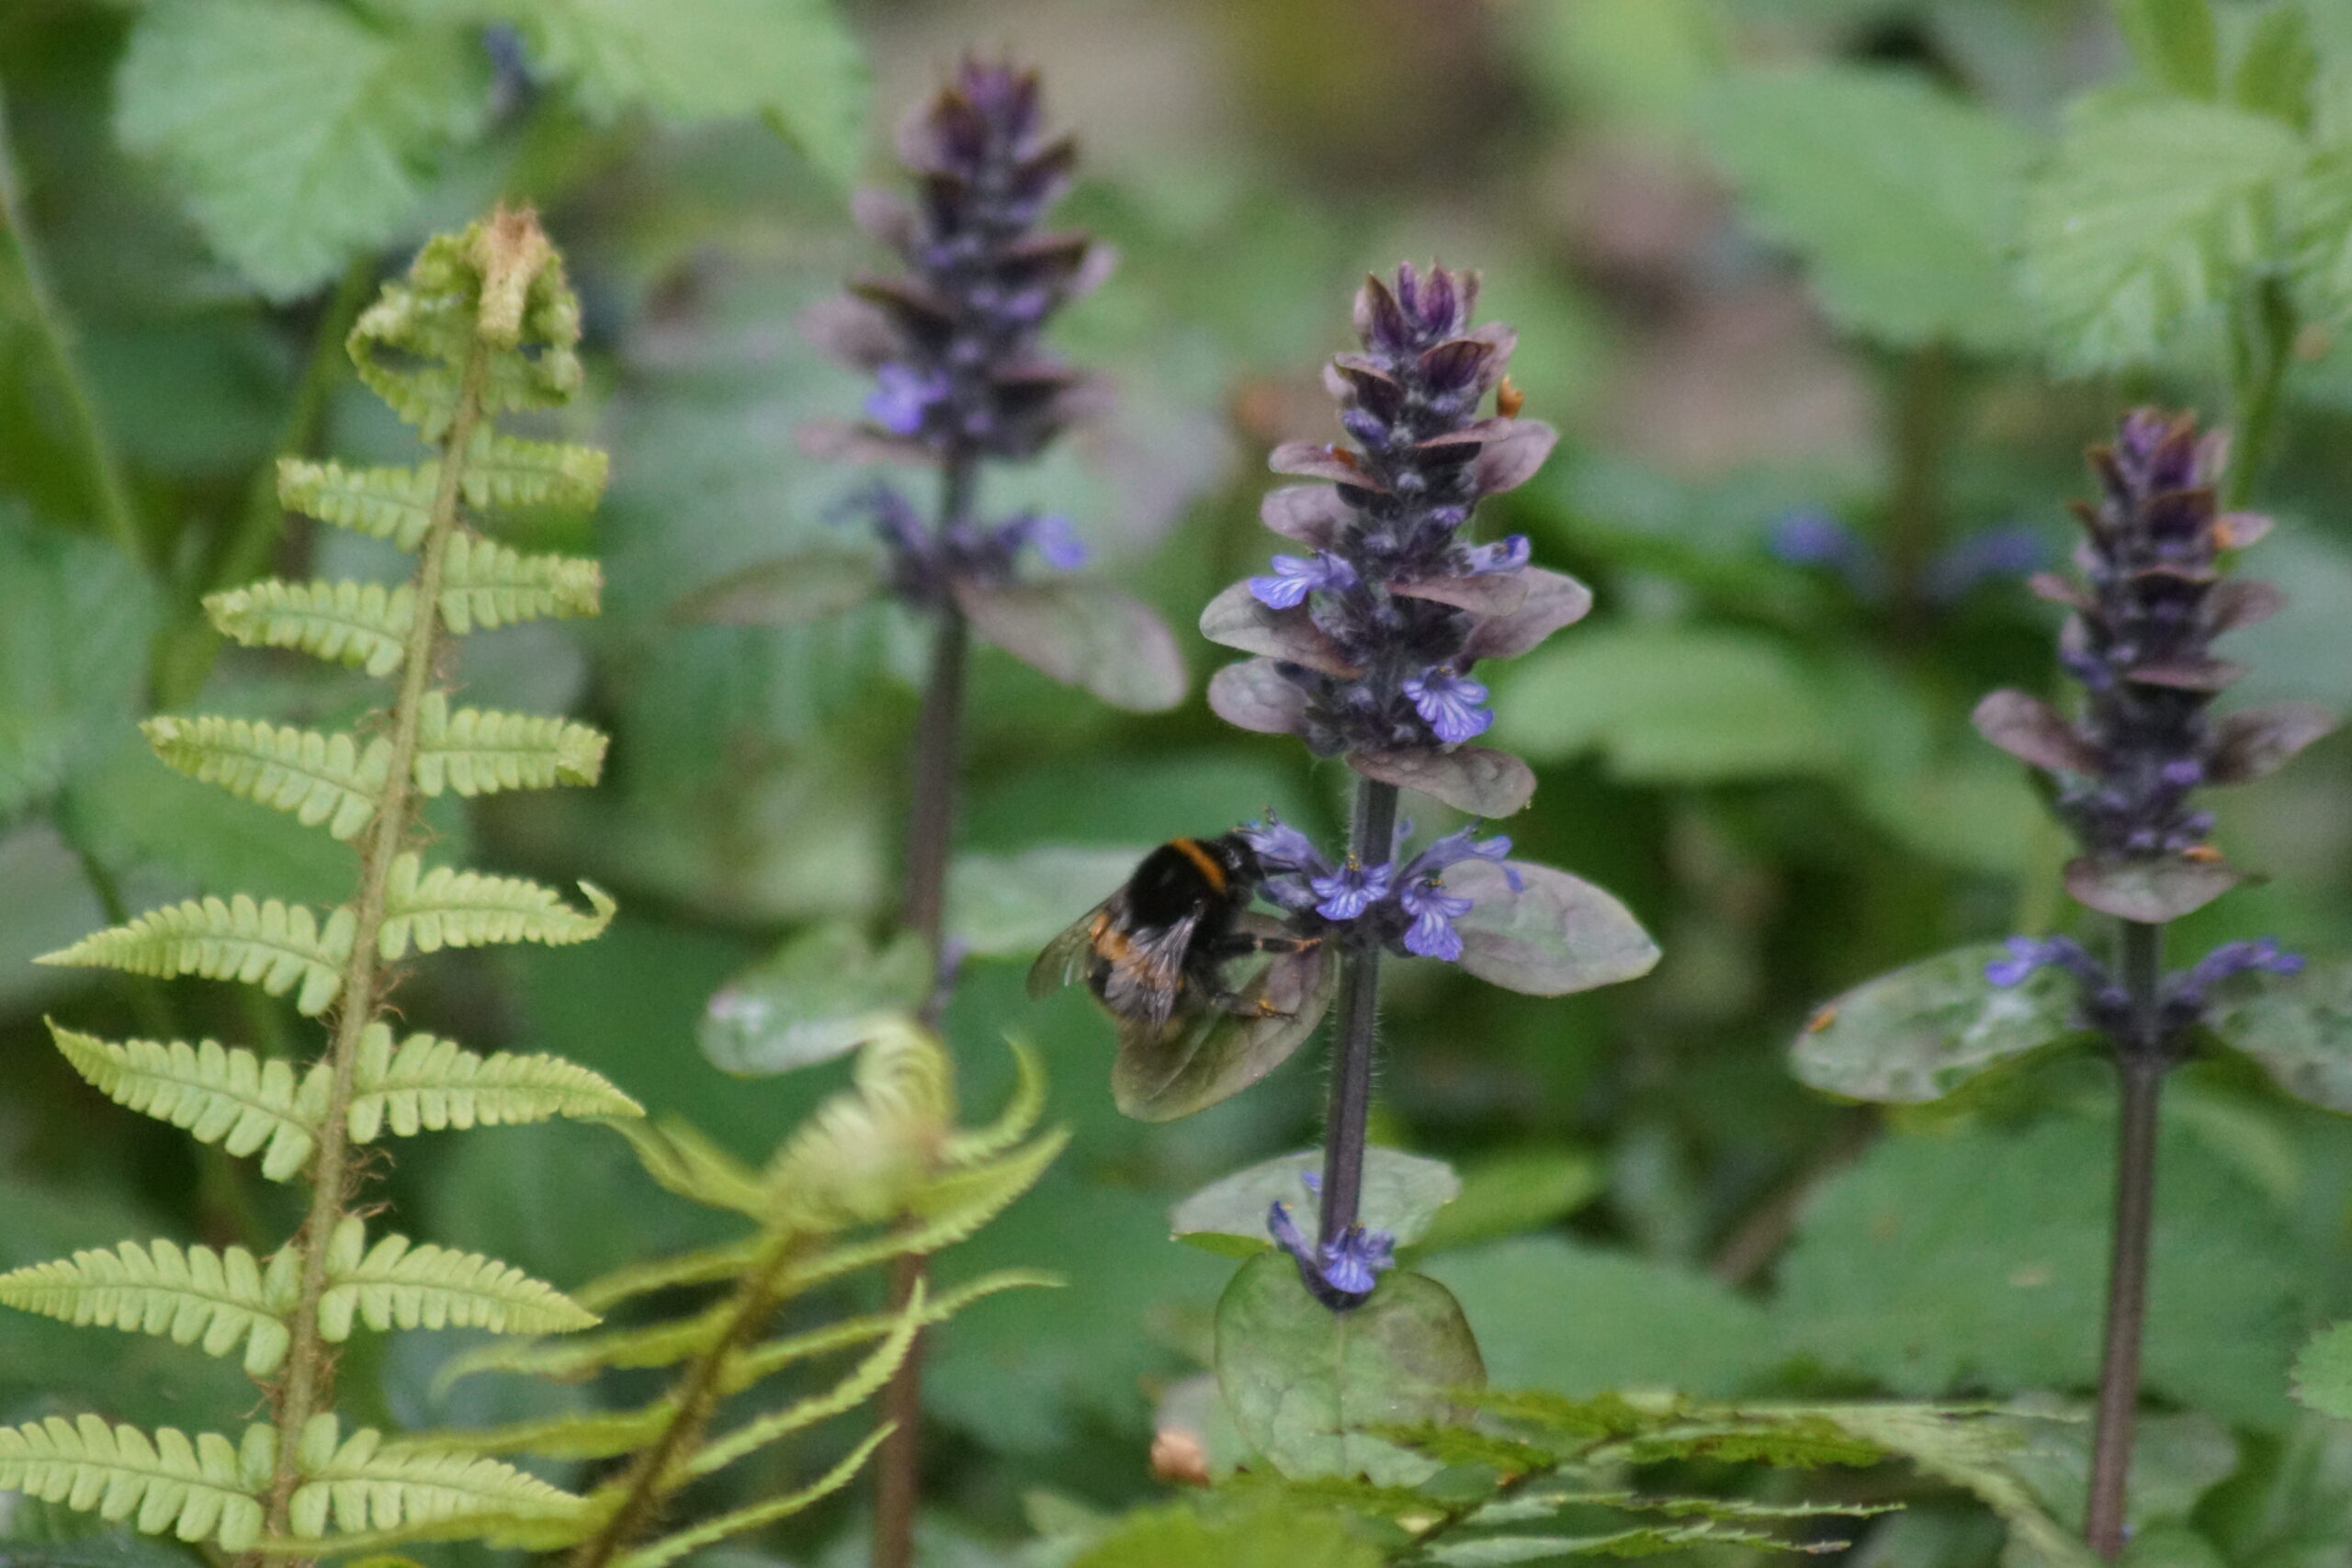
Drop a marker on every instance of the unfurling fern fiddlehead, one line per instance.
(483, 324)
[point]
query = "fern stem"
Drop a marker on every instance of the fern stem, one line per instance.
(306, 1387)
(110, 489)
(1351, 1045)
(2140, 1063)
(699, 1392)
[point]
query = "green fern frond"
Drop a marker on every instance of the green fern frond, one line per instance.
(703, 1266)
(223, 1096)
(1015, 1123)
(405, 1491)
(670, 1548)
(448, 908)
(684, 1162)
(199, 1491)
(574, 1360)
(776, 1354)
(487, 584)
(430, 1083)
(858, 1157)
(271, 944)
(864, 1381)
(396, 1283)
(319, 778)
(604, 1433)
(476, 751)
(351, 622)
(382, 503)
(953, 1210)
(506, 471)
(193, 1297)
(430, 320)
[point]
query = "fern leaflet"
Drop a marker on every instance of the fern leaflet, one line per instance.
(220, 1096)
(509, 473)
(381, 503)
(475, 751)
(198, 1491)
(447, 908)
(430, 1083)
(275, 945)
(327, 779)
(199, 1296)
(487, 584)
(350, 623)
(361, 1484)
(670, 1548)
(864, 1381)
(396, 1283)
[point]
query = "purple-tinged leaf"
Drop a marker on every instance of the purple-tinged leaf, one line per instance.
(1254, 696)
(785, 592)
(2255, 742)
(885, 216)
(2236, 530)
(2240, 601)
(1377, 317)
(1512, 455)
(1321, 460)
(1083, 634)
(1313, 514)
(2058, 589)
(912, 307)
(2299, 1027)
(1235, 619)
(1202, 1060)
(2199, 675)
(2027, 728)
(2149, 891)
(1475, 779)
(1504, 339)
(1555, 934)
(1455, 363)
(837, 441)
(851, 333)
(1920, 1031)
(1554, 600)
(1492, 595)
(1360, 378)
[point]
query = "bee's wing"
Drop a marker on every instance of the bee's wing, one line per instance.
(1064, 959)
(1146, 978)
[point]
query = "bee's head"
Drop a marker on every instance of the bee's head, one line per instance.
(1240, 862)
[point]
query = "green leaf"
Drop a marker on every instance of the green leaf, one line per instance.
(229, 1097)
(2298, 1027)
(329, 779)
(508, 473)
(2323, 1372)
(1511, 1190)
(271, 944)
(476, 751)
(447, 908)
(1402, 1195)
(1083, 634)
(198, 1491)
(1276, 1535)
(1305, 1384)
(2323, 271)
(807, 585)
(1977, 1452)
(2176, 1457)
(295, 134)
(2174, 42)
(429, 1083)
(795, 61)
(1979, 1260)
(863, 1382)
(2149, 215)
(350, 623)
(1643, 1540)
(402, 1491)
(486, 584)
(197, 1295)
(818, 997)
(1579, 1320)
(1011, 905)
(1902, 199)
(1666, 704)
(75, 616)
(2277, 67)
(393, 504)
(1920, 1031)
(1550, 935)
(396, 1283)
(1198, 1062)
(670, 1548)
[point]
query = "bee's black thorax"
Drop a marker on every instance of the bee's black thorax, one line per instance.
(1184, 875)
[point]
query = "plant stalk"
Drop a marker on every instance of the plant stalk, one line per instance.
(1369, 841)
(2140, 1062)
(931, 833)
(306, 1388)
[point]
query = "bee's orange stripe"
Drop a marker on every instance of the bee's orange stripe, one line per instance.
(1191, 851)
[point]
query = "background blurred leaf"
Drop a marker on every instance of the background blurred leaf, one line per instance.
(818, 997)
(1403, 1194)
(74, 619)
(1924, 1029)
(2323, 1372)
(1510, 1190)
(1275, 1536)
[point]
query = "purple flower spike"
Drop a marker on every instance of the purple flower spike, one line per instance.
(1351, 890)
(904, 397)
(1448, 704)
(1434, 910)
(1294, 578)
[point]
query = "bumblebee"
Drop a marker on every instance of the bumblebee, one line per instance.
(1155, 951)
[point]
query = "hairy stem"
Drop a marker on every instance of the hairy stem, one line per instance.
(307, 1387)
(109, 486)
(931, 832)
(1351, 1046)
(650, 1481)
(2262, 347)
(2140, 1061)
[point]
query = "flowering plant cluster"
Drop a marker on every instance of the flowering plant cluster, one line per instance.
(1406, 912)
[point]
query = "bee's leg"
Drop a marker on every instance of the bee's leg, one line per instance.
(1245, 1007)
(1242, 944)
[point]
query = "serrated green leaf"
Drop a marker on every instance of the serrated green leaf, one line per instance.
(348, 623)
(571, 1359)
(448, 908)
(218, 1095)
(2322, 270)
(679, 1159)
(795, 61)
(295, 134)
(75, 616)
(196, 1296)
(486, 584)
(193, 1490)
(760, 1361)
(430, 1083)
(396, 1283)
(509, 473)
(480, 752)
(1971, 1451)
(1902, 199)
(2277, 67)
(820, 996)
(863, 1381)
(668, 1549)
(319, 779)
(1015, 1122)
(2298, 1027)
(271, 944)
(1306, 1385)
(1643, 1540)
(2149, 215)
(2323, 1372)
(1920, 1031)
(1402, 1195)
(362, 1484)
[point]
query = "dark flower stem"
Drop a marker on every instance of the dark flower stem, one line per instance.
(2140, 1062)
(1351, 1046)
(931, 830)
